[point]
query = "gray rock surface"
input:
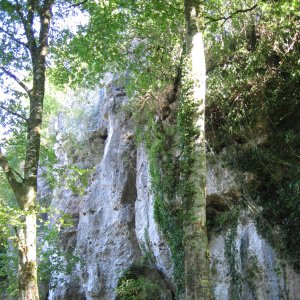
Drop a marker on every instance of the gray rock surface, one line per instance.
(115, 227)
(149, 237)
(244, 265)
(108, 216)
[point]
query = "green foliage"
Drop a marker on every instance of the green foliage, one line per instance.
(168, 212)
(10, 217)
(10, 214)
(140, 282)
(253, 91)
(8, 270)
(136, 289)
(10, 221)
(140, 38)
(18, 40)
(15, 144)
(187, 134)
(77, 180)
(253, 105)
(5, 192)
(169, 147)
(227, 218)
(71, 177)
(53, 261)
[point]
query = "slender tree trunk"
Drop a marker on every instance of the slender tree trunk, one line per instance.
(28, 285)
(197, 267)
(25, 188)
(25, 194)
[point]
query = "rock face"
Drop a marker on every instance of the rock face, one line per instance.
(113, 217)
(114, 223)
(244, 266)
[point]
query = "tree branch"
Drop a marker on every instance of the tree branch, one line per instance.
(18, 8)
(14, 113)
(79, 3)
(27, 24)
(13, 38)
(211, 20)
(172, 6)
(15, 78)
(31, 6)
(10, 174)
(18, 174)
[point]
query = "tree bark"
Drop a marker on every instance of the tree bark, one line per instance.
(26, 236)
(197, 266)
(28, 284)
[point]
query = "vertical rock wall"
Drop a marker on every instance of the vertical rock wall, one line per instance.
(104, 239)
(114, 223)
(243, 264)
(114, 218)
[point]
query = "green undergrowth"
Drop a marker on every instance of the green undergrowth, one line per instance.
(136, 289)
(53, 260)
(8, 271)
(142, 282)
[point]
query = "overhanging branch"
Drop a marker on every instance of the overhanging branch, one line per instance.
(211, 20)
(10, 35)
(15, 78)
(14, 113)
(172, 6)
(27, 25)
(79, 3)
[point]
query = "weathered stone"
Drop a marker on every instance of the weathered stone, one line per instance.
(114, 218)
(105, 239)
(147, 232)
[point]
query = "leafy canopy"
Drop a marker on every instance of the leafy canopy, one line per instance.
(142, 39)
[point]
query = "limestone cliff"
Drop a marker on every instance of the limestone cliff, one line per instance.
(114, 216)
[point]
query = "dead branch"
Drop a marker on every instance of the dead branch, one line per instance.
(211, 20)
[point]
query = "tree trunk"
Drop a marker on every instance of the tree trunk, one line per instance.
(26, 236)
(197, 267)
(30, 14)
(28, 285)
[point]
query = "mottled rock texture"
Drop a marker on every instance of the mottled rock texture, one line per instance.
(114, 223)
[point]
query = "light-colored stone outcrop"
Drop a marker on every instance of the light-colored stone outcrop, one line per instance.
(114, 223)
